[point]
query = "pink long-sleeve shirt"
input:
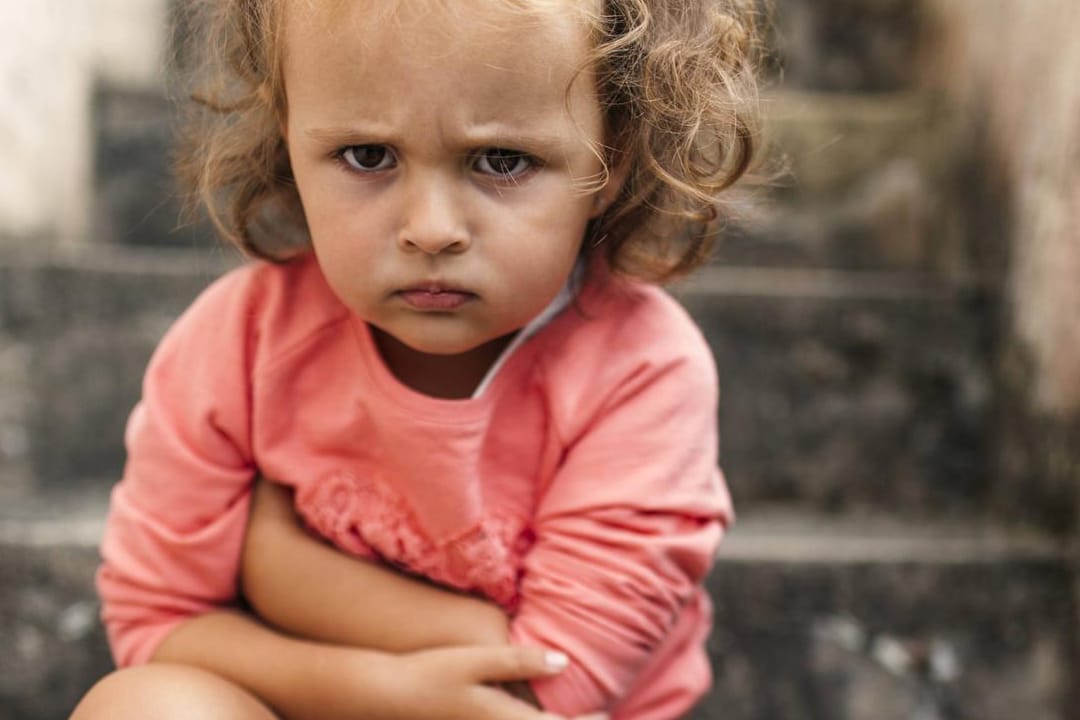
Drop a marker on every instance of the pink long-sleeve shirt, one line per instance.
(580, 491)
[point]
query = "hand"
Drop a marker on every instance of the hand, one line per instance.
(464, 682)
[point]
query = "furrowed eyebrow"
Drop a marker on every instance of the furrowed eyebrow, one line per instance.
(344, 134)
(500, 138)
(524, 139)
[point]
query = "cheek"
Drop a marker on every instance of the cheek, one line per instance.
(545, 235)
(344, 219)
(341, 242)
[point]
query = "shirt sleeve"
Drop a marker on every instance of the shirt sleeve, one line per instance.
(176, 522)
(627, 529)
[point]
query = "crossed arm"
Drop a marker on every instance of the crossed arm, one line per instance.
(613, 566)
(344, 636)
(305, 588)
(308, 589)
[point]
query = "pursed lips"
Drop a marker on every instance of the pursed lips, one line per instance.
(435, 296)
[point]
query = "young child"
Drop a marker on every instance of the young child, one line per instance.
(499, 437)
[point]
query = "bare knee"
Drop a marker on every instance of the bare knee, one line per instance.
(168, 692)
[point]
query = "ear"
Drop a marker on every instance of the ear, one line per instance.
(618, 171)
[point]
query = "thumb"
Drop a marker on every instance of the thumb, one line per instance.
(508, 663)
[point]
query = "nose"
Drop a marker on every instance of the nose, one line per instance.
(433, 220)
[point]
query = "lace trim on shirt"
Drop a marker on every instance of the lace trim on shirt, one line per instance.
(371, 520)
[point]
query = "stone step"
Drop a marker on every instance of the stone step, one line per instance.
(847, 45)
(55, 645)
(860, 182)
(825, 376)
(136, 198)
(76, 331)
(835, 144)
(817, 618)
(843, 391)
(870, 619)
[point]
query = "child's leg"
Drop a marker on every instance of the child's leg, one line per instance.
(168, 692)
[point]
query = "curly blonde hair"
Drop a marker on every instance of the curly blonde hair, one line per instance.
(676, 81)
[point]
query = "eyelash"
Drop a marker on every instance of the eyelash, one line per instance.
(347, 157)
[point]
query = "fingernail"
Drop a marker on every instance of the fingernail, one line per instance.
(555, 660)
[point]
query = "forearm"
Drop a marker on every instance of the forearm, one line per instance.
(297, 678)
(312, 590)
(371, 606)
(303, 680)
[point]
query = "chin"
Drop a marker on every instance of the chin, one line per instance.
(447, 349)
(433, 344)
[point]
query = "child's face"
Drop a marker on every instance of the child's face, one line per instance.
(439, 159)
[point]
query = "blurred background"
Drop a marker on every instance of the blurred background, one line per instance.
(896, 321)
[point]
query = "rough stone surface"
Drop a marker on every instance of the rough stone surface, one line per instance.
(892, 641)
(137, 200)
(54, 645)
(815, 388)
(847, 45)
(857, 182)
(1014, 67)
(842, 401)
(836, 143)
(822, 630)
(76, 337)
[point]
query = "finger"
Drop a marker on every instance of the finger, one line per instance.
(501, 705)
(508, 663)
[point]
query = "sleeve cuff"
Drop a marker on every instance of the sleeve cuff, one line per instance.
(573, 691)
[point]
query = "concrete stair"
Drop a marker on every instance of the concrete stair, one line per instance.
(818, 618)
(865, 46)
(54, 645)
(827, 374)
(824, 619)
(77, 332)
(871, 575)
(823, 373)
(836, 596)
(859, 182)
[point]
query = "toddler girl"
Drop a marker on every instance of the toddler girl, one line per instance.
(499, 438)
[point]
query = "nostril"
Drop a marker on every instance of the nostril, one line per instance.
(433, 219)
(433, 244)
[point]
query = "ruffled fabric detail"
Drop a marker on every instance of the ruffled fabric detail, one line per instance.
(372, 520)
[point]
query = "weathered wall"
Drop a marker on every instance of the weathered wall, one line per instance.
(1017, 64)
(1014, 66)
(52, 53)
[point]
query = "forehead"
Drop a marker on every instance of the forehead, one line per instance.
(528, 26)
(506, 55)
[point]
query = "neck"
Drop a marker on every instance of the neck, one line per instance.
(451, 377)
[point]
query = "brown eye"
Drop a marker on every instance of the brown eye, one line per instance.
(503, 163)
(368, 158)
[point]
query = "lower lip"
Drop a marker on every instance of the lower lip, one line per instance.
(426, 300)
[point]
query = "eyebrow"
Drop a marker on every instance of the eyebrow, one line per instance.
(342, 133)
(497, 136)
